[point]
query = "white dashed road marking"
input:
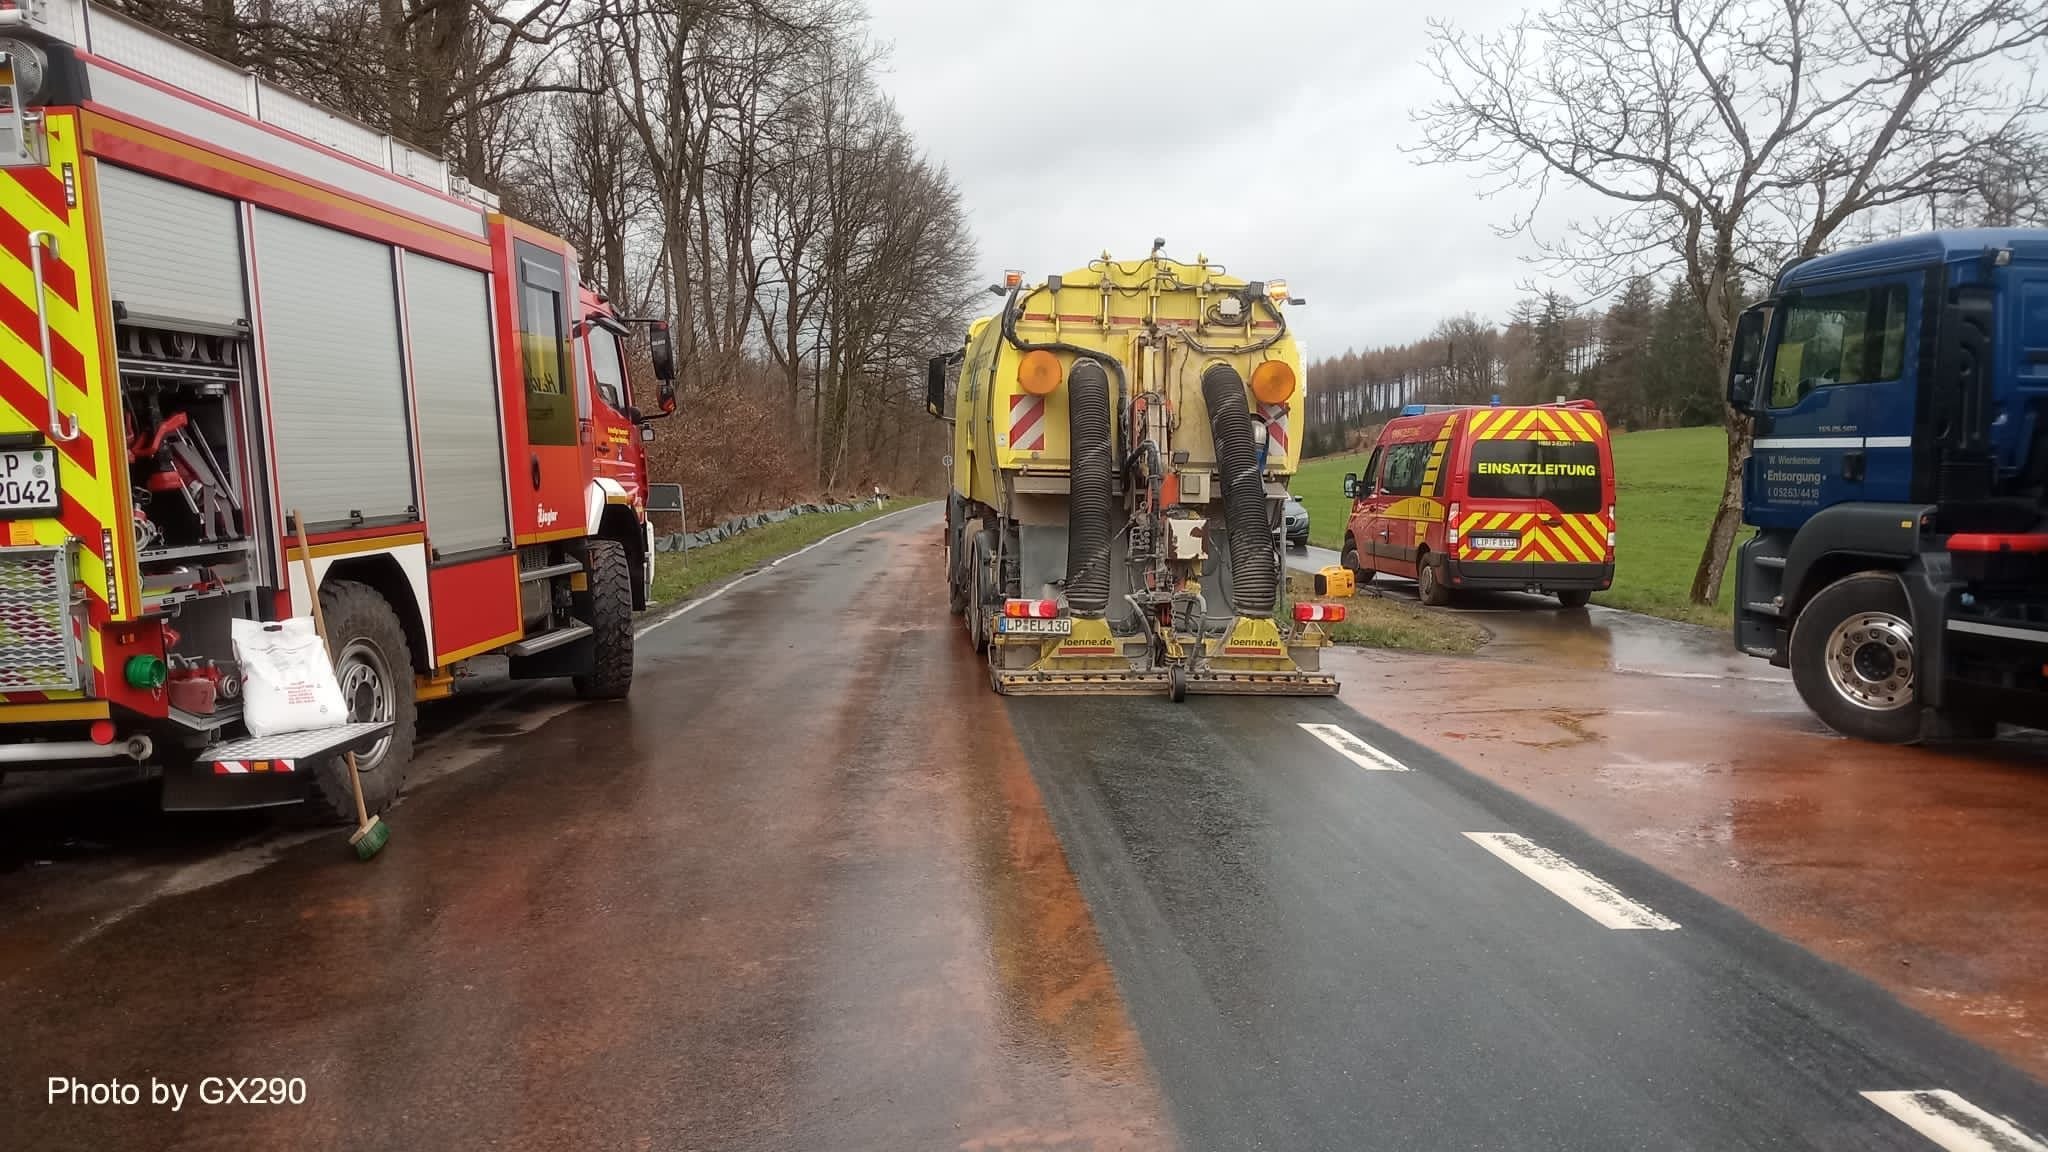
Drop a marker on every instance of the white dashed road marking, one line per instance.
(1954, 1123)
(1353, 749)
(1571, 883)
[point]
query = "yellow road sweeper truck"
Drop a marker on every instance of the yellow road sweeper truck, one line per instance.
(1123, 439)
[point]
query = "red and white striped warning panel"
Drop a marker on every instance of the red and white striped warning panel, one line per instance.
(245, 767)
(1276, 430)
(1027, 422)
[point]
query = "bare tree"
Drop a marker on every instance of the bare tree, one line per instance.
(431, 72)
(730, 164)
(1730, 134)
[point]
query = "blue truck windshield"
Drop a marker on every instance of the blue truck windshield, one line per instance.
(1565, 473)
(1840, 338)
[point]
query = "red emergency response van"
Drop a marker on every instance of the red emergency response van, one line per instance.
(1497, 498)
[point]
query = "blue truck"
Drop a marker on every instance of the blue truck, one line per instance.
(1898, 483)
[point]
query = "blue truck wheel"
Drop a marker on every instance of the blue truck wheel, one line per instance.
(1854, 660)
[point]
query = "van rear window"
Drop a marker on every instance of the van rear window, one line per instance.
(1565, 473)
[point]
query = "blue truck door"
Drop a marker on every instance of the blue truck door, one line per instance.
(2023, 336)
(1837, 425)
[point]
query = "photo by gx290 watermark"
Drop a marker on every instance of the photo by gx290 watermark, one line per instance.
(176, 1095)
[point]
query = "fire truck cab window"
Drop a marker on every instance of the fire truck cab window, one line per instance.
(609, 369)
(1405, 466)
(544, 360)
(1565, 473)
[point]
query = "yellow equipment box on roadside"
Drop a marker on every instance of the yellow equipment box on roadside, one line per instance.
(1336, 580)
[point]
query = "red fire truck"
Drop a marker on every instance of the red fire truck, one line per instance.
(221, 304)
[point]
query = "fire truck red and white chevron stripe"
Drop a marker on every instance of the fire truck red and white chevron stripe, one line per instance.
(1027, 422)
(245, 767)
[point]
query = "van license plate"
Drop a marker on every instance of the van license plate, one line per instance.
(1032, 626)
(1496, 543)
(28, 482)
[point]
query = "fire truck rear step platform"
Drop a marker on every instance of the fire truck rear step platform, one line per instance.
(291, 747)
(535, 645)
(262, 771)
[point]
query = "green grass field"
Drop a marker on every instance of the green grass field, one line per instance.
(1667, 482)
(678, 574)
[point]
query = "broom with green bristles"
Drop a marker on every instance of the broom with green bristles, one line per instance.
(371, 833)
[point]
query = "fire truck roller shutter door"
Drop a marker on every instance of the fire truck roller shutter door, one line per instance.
(456, 390)
(172, 252)
(330, 343)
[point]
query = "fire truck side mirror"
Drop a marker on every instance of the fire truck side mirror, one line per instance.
(1351, 485)
(661, 349)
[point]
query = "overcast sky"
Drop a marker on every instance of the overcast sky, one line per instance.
(1265, 134)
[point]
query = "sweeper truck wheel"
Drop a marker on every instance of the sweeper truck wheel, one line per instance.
(977, 591)
(373, 662)
(1177, 684)
(611, 617)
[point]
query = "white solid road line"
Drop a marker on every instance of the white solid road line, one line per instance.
(1571, 883)
(1353, 749)
(1954, 1123)
(689, 606)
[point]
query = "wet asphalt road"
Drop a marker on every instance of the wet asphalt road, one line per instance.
(815, 887)
(1316, 956)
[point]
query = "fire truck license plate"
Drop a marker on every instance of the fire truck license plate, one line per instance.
(1028, 626)
(28, 482)
(1496, 543)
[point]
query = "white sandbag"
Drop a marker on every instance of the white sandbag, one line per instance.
(288, 684)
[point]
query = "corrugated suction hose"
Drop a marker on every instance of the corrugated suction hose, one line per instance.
(1254, 575)
(1091, 490)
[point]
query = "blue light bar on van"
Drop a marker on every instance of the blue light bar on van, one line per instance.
(1414, 409)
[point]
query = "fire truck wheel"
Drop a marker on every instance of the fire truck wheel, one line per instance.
(611, 617)
(374, 665)
(1854, 660)
(1574, 598)
(1429, 582)
(1359, 571)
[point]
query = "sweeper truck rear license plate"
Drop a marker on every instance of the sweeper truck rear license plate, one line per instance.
(1027, 626)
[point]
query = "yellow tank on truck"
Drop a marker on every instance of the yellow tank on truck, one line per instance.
(1124, 434)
